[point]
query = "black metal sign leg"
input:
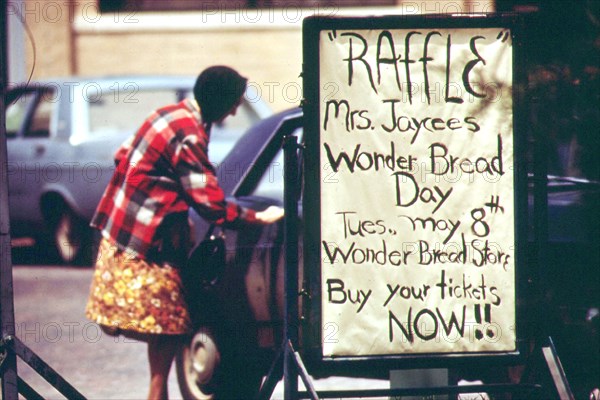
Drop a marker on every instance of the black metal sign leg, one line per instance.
(275, 374)
(301, 370)
(290, 202)
(287, 358)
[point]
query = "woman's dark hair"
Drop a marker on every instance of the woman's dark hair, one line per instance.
(217, 90)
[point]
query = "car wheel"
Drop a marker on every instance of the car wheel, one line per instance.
(74, 241)
(197, 364)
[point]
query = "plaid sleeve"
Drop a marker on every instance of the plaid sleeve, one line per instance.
(123, 150)
(199, 182)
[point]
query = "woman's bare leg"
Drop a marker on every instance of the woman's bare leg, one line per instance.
(161, 352)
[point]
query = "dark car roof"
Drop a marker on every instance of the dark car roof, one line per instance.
(251, 149)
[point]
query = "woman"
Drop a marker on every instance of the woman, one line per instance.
(143, 217)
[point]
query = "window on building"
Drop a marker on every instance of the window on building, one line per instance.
(190, 5)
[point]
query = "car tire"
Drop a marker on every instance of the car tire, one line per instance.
(197, 365)
(206, 373)
(73, 241)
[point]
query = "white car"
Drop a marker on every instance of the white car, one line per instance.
(62, 135)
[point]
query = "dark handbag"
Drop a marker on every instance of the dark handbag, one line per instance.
(206, 261)
(204, 268)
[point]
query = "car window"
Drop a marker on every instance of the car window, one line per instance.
(122, 109)
(244, 117)
(271, 182)
(16, 112)
(42, 117)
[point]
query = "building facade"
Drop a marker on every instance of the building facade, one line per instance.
(262, 39)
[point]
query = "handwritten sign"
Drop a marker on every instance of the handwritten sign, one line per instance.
(417, 237)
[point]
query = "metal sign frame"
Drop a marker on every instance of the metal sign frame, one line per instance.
(313, 326)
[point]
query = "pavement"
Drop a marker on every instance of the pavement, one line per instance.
(49, 319)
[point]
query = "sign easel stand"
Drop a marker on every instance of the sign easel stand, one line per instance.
(543, 364)
(288, 363)
(10, 345)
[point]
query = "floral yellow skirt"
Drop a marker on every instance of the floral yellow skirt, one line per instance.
(134, 295)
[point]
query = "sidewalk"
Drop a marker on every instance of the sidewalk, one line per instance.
(49, 315)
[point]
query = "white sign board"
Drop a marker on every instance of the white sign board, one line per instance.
(417, 210)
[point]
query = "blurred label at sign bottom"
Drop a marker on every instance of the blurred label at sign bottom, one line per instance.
(411, 378)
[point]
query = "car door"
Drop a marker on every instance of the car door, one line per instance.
(242, 320)
(259, 250)
(31, 116)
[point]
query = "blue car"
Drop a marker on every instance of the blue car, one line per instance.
(235, 345)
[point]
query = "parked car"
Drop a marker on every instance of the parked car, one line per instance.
(235, 345)
(232, 349)
(62, 135)
(570, 280)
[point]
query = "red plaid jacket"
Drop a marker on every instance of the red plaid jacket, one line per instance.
(161, 170)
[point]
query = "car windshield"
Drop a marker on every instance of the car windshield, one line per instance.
(564, 111)
(271, 182)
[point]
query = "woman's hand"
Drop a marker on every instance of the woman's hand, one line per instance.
(270, 215)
